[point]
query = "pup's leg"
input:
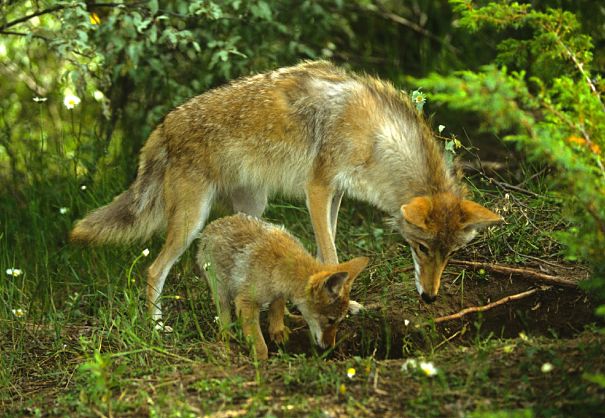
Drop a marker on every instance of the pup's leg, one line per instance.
(188, 203)
(249, 313)
(278, 331)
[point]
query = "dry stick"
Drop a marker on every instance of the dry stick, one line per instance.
(489, 305)
(524, 272)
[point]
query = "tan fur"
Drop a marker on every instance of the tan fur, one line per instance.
(311, 130)
(254, 263)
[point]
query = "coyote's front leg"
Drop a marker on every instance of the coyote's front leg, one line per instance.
(319, 200)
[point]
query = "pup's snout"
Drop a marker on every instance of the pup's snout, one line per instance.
(428, 298)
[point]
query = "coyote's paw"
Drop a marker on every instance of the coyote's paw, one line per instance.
(355, 307)
(280, 336)
(166, 329)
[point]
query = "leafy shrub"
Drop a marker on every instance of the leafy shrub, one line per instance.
(541, 93)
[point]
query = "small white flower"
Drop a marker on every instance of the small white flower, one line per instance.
(40, 99)
(206, 266)
(70, 101)
(145, 252)
(409, 365)
(98, 95)
(19, 313)
(216, 319)
(83, 187)
(350, 372)
(63, 210)
(14, 272)
(441, 128)
(406, 322)
(547, 367)
(159, 326)
(428, 368)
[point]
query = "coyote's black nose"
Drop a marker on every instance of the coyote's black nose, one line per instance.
(428, 298)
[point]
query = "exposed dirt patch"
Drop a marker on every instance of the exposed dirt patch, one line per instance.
(389, 329)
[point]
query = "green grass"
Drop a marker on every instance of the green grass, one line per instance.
(85, 346)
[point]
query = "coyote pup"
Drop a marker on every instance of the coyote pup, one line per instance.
(255, 263)
(313, 131)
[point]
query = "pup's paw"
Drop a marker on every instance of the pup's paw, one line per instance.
(280, 336)
(355, 307)
(160, 326)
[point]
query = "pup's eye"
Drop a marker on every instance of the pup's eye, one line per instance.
(423, 249)
(332, 321)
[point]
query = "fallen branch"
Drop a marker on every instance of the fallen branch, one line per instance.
(523, 272)
(483, 308)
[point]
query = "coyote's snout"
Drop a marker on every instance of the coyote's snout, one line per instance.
(312, 131)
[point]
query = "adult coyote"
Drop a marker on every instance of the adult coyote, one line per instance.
(312, 130)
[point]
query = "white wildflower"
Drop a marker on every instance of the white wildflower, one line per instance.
(206, 266)
(83, 187)
(441, 128)
(40, 99)
(428, 368)
(14, 272)
(406, 322)
(70, 101)
(19, 313)
(409, 365)
(145, 252)
(98, 95)
(547, 367)
(63, 210)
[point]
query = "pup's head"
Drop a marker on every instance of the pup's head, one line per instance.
(327, 299)
(435, 226)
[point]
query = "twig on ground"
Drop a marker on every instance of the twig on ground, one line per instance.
(483, 308)
(519, 271)
(376, 389)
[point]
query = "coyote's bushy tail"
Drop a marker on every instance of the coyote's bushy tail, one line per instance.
(136, 213)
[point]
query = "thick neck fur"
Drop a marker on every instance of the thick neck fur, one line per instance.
(406, 159)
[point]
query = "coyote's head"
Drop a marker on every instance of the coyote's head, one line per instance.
(435, 226)
(326, 301)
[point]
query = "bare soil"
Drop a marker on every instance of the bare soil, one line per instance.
(404, 323)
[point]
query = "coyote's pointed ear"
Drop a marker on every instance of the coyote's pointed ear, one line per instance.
(417, 211)
(475, 216)
(334, 283)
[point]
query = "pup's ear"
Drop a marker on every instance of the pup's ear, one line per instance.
(334, 284)
(354, 267)
(475, 216)
(417, 211)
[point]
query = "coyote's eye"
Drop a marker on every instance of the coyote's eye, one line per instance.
(423, 249)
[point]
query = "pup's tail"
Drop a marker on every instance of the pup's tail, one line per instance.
(136, 213)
